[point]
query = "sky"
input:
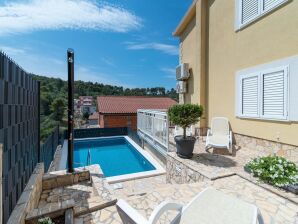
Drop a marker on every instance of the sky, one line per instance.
(119, 42)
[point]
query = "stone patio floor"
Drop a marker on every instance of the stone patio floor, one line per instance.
(93, 201)
(145, 194)
(219, 163)
(274, 209)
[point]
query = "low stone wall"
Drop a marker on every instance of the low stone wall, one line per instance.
(63, 178)
(179, 173)
(56, 161)
(290, 152)
(29, 198)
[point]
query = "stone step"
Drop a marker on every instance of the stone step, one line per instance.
(103, 197)
(51, 210)
(91, 205)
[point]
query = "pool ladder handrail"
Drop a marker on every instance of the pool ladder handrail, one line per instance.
(89, 158)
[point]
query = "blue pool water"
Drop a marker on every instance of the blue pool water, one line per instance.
(116, 156)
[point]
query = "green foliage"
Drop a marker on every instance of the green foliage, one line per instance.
(54, 92)
(85, 116)
(45, 220)
(58, 107)
(185, 115)
(274, 170)
(48, 124)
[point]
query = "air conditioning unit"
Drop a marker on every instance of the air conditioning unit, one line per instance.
(182, 71)
(181, 87)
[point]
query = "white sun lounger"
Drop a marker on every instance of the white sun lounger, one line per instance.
(219, 136)
(208, 207)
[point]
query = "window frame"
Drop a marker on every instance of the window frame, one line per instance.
(260, 75)
(246, 76)
(261, 12)
(285, 70)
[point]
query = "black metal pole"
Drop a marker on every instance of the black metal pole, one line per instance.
(38, 123)
(70, 61)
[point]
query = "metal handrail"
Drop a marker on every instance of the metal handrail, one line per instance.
(89, 158)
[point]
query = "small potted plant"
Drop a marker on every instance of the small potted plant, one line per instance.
(185, 115)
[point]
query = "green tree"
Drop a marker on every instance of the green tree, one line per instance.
(85, 116)
(185, 115)
(58, 107)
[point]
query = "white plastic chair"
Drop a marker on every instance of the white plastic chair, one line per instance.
(209, 207)
(219, 136)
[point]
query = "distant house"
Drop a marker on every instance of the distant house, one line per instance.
(121, 111)
(86, 104)
(93, 119)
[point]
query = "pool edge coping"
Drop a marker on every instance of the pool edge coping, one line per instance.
(159, 170)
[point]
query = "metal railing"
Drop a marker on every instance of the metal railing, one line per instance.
(153, 127)
(48, 148)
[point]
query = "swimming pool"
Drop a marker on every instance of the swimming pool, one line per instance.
(119, 157)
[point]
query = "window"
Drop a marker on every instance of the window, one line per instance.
(250, 10)
(250, 95)
(264, 94)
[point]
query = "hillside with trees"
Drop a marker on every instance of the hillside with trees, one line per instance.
(53, 98)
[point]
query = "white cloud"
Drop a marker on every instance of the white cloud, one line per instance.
(170, 71)
(12, 51)
(35, 63)
(17, 17)
(165, 48)
(108, 61)
(88, 74)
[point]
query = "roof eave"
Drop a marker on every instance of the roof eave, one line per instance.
(185, 20)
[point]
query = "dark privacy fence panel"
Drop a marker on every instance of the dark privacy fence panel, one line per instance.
(18, 130)
(134, 136)
(99, 132)
(48, 148)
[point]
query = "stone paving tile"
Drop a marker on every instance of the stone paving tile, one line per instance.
(107, 215)
(149, 192)
(85, 196)
(272, 207)
(80, 193)
(215, 164)
(138, 186)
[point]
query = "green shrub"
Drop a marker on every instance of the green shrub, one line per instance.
(185, 115)
(45, 220)
(274, 170)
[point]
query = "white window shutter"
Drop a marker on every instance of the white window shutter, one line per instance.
(249, 9)
(270, 4)
(250, 96)
(238, 95)
(274, 94)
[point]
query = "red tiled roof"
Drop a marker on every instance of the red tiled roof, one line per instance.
(130, 104)
(94, 116)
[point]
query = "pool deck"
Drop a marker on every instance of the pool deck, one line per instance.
(221, 171)
(216, 164)
(145, 195)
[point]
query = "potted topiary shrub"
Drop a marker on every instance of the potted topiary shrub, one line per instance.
(185, 115)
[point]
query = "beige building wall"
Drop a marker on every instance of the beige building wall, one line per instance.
(188, 54)
(270, 38)
(192, 48)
